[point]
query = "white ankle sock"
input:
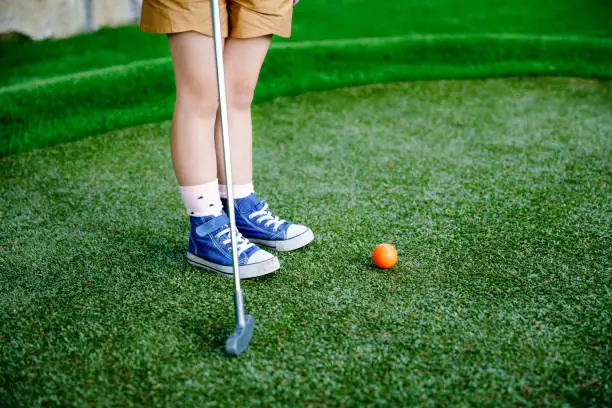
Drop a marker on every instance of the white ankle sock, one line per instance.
(202, 200)
(240, 190)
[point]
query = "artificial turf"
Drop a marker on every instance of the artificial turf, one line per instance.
(48, 99)
(316, 20)
(73, 107)
(496, 194)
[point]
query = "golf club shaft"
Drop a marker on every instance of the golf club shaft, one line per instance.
(218, 41)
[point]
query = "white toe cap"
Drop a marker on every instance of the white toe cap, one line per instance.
(296, 229)
(260, 256)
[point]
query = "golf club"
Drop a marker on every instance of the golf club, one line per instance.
(239, 340)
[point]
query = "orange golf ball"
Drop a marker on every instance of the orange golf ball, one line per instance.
(384, 256)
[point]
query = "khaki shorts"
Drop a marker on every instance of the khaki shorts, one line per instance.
(247, 18)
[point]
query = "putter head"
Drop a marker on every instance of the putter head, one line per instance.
(240, 338)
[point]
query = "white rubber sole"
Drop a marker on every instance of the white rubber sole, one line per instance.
(296, 242)
(246, 271)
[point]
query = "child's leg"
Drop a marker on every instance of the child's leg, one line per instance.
(243, 59)
(193, 145)
(193, 122)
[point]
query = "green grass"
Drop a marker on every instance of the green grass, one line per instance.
(74, 107)
(322, 20)
(496, 194)
(59, 91)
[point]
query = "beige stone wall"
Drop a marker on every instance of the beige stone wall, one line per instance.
(40, 19)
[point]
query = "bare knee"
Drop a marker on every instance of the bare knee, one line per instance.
(197, 100)
(240, 95)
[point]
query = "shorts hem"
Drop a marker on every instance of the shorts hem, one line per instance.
(184, 29)
(175, 30)
(259, 34)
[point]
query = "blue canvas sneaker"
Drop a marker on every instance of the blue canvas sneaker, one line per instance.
(210, 247)
(257, 224)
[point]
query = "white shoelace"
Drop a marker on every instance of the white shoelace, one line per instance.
(242, 244)
(265, 215)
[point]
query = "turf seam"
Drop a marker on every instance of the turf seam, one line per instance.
(67, 108)
(322, 44)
